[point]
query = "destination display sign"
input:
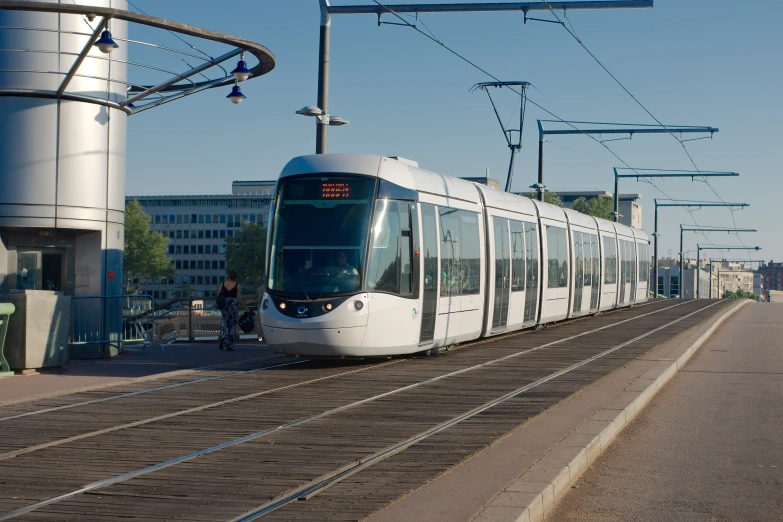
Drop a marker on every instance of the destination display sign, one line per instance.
(335, 190)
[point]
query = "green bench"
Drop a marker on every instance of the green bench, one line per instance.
(6, 309)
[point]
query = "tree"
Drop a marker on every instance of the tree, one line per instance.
(740, 294)
(246, 253)
(596, 207)
(145, 251)
(549, 197)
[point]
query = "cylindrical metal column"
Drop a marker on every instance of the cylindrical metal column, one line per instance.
(62, 160)
(322, 129)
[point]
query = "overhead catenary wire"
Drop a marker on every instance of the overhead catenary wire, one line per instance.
(573, 34)
(481, 69)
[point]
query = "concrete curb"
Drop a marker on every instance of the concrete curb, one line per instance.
(534, 494)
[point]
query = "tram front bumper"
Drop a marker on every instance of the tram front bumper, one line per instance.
(317, 342)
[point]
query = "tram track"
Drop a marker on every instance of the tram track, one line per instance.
(324, 482)
(13, 449)
(157, 418)
(304, 420)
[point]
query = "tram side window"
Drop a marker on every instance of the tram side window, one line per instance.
(460, 260)
(610, 260)
(557, 258)
(383, 269)
(471, 252)
(587, 259)
(517, 256)
(644, 262)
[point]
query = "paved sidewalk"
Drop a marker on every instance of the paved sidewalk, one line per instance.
(132, 363)
(709, 447)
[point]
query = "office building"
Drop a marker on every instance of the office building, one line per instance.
(197, 227)
(769, 276)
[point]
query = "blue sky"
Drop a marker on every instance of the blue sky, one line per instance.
(690, 62)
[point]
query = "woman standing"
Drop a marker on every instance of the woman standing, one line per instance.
(232, 293)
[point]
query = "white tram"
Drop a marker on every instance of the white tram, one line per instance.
(372, 256)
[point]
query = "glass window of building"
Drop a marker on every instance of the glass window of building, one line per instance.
(178, 249)
(186, 249)
(201, 234)
(157, 219)
(171, 249)
(178, 264)
(179, 219)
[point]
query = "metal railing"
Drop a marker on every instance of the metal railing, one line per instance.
(194, 318)
(102, 322)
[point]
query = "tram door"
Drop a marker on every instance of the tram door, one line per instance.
(429, 258)
(579, 270)
(623, 270)
(502, 272)
(531, 272)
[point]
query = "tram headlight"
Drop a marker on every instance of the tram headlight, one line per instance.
(328, 307)
(282, 306)
(265, 304)
(359, 305)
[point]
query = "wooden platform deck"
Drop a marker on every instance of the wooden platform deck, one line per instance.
(219, 444)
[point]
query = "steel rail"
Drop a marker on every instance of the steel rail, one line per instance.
(122, 477)
(242, 372)
(37, 447)
(326, 481)
(147, 390)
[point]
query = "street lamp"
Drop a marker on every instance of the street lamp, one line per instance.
(105, 43)
(321, 119)
(241, 72)
(236, 95)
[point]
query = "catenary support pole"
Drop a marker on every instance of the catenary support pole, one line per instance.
(541, 169)
(655, 252)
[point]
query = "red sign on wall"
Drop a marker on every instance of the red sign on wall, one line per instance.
(111, 274)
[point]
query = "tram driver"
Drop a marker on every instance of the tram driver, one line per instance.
(341, 267)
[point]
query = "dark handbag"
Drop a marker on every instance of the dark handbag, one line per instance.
(220, 300)
(247, 322)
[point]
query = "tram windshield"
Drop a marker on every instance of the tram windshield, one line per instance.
(319, 236)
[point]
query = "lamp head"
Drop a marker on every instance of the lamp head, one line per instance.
(236, 95)
(105, 43)
(310, 110)
(241, 72)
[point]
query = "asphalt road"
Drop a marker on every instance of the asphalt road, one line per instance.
(709, 447)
